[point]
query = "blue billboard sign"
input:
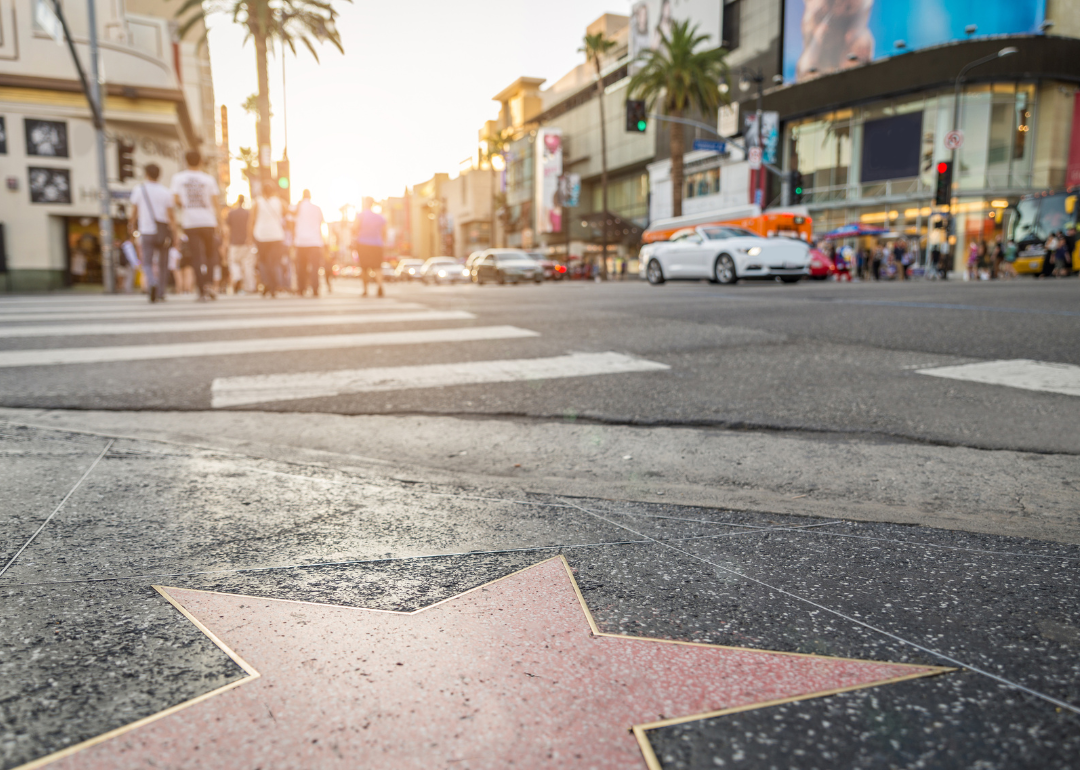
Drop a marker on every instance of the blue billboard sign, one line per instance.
(822, 36)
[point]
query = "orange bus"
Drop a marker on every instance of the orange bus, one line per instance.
(791, 222)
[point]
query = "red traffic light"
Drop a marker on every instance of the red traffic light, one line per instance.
(942, 167)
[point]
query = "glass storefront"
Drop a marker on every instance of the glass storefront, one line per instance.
(891, 148)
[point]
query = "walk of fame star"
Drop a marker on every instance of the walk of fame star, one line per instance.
(514, 673)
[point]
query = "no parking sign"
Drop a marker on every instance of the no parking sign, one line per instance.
(954, 140)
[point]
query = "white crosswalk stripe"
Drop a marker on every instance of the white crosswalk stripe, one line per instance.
(96, 355)
(292, 325)
(1018, 373)
(235, 391)
(222, 324)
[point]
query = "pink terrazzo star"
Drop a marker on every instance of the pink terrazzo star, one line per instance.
(511, 674)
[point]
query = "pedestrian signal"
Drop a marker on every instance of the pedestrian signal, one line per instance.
(637, 117)
(943, 192)
(126, 155)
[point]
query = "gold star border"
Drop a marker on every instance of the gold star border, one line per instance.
(639, 731)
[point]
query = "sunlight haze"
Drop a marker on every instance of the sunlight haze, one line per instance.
(408, 96)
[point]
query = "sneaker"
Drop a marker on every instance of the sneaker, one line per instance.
(381, 294)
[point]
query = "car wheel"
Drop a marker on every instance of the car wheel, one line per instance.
(654, 273)
(724, 270)
(538, 279)
(500, 278)
(790, 278)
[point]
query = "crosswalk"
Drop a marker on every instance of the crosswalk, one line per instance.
(236, 334)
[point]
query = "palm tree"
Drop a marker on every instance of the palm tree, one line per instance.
(250, 159)
(595, 47)
(496, 145)
(679, 77)
(267, 21)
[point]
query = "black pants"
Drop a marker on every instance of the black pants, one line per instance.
(270, 264)
(201, 246)
(308, 260)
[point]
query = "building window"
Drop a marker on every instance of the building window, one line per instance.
(702, 183)
(732, 17)
(46, 138)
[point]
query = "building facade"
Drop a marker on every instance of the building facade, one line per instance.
(158, 98)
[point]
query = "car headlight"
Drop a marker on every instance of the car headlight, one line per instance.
(464, 271)
(753, 251)
(442, 273)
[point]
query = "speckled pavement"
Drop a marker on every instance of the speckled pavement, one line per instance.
(88, 645)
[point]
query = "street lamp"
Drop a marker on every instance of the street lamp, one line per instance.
(1007, 51)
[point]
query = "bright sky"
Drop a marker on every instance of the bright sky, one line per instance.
(410, 93)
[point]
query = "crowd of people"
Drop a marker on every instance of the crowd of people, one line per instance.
(985, 261)
(180, 232)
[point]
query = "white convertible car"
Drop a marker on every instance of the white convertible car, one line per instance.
(723, 254)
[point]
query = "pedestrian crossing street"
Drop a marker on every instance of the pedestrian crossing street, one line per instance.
(71, 331)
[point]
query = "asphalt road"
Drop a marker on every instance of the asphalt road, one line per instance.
(839, 358)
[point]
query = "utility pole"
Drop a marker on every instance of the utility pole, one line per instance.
(105, 221)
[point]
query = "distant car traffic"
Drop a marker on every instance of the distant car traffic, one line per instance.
(388, 273)
(821, 267)
(443, 270)
(553, 271)
(506, 266)
(723, 255)
(408, 269)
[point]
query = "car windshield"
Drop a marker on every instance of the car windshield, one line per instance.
(506, 258)
(716, 233)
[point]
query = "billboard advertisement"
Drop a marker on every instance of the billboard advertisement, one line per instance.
(548, 170)
(822, 36)
(651, 18)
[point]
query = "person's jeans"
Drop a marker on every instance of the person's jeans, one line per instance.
(155, 260)
(201, 243)
(270, 264)
(308, 260)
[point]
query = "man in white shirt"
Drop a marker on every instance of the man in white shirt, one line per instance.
(152, 217)
(309, 244)
(196, 193)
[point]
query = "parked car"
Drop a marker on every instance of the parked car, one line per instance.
(821, 267)
(443, 270)
(388, 273)
(724, 254)
(408, 269)
(506, 266)
(553, 271)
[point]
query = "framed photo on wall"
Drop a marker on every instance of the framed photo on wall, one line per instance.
(46, 138)
(50, 185)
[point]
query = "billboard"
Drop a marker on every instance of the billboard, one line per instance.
(650, 18)
(822, 36)
(548, 170)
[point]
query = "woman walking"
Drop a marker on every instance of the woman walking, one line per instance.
(370, 231)
(266, 229)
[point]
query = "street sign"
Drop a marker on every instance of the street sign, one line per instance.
(954, 140)
(709, 146)
(755, 158)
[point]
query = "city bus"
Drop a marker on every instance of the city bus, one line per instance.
(791, 222)
(1035, 217)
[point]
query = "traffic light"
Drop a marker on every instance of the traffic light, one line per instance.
(126, 155)
(796, 187)
(637, 118)
(943, 192)
(283, 173)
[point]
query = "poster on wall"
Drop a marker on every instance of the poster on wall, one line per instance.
(823, 36)
(50, 185)
(46, 138)
(548, 170)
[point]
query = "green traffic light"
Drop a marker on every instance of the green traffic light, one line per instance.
(283, 183)
(641, 125)
(798, 191)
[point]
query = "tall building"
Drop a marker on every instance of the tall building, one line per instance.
(866, 109)
(158, 99)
